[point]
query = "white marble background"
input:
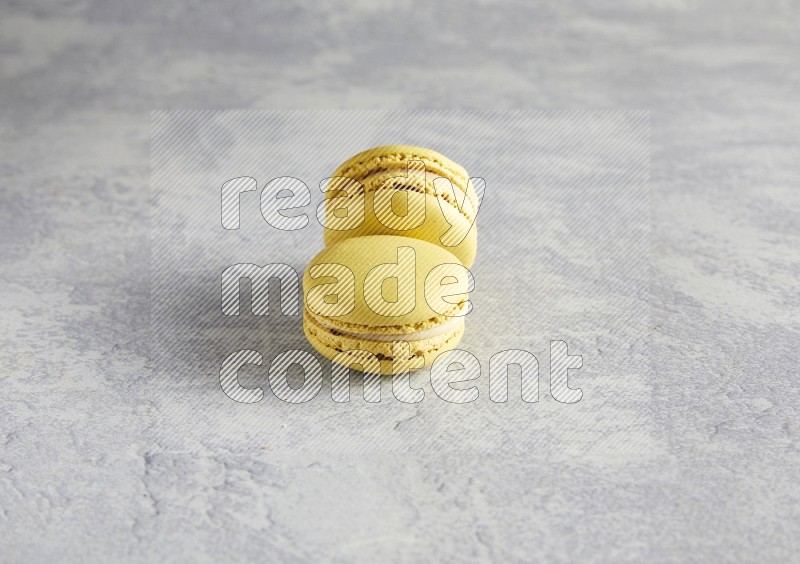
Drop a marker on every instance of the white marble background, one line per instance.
(703, 465)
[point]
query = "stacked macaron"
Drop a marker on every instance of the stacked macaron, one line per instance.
(390, 291)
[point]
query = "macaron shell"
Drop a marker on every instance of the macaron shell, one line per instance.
(391, 155)
(433, 228)
(363, 254)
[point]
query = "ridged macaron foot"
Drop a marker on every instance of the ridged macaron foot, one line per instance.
(437, 211)
(385, 304)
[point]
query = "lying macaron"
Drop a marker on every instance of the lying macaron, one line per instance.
(385, 304)
(406, 191)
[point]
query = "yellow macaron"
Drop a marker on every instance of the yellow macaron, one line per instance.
(406, 191)
(385, 304)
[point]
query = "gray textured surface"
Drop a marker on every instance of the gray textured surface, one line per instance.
(701, 465)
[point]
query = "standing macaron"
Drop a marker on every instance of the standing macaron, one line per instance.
(385, 304)
(406, 191)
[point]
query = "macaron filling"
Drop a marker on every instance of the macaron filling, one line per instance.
(430, 333)
(466, 206)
